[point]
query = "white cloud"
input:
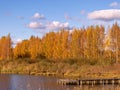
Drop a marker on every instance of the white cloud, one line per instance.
(56, 25)
(38, 16)
(19, 40)
(35, 25)
(114, 4)
(105, 15)
(15, 41)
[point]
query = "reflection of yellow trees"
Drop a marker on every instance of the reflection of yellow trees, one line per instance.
(89, 43)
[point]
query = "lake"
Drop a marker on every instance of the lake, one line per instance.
(26, 82)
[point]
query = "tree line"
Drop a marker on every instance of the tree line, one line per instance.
(93, 42)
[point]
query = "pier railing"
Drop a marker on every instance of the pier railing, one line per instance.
(88, 81)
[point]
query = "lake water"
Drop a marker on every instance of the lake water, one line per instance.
(25, 82)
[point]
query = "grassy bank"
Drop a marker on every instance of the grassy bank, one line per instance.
(68, 68)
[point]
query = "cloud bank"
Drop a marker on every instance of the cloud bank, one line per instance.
(35, 25)
(105, 15)
(54, 25)
(46, 25)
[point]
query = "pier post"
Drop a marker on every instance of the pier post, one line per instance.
(113, 81)
(100, 81)
(118, 81)
(106, 81)
(94, 82)
(103, 82)
(81, 82)
(87, 82)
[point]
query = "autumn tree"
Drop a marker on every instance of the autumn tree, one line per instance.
(21, 50)
(88, 46)
(89, 43)
(65, 51)
(6, 47)
(35, 47)
(48, 44)
(115, 39)
(57, 53)
(75, 44)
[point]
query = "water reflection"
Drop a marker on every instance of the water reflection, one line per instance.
(5, 82)
(30, 83)
(98, 87)
(24, 82)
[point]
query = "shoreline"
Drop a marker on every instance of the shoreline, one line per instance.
(61, 70)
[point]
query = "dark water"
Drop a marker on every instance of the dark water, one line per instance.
(25, 82)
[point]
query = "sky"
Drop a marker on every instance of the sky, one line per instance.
(23, 18)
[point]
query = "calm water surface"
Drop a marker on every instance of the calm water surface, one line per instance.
(25, 82)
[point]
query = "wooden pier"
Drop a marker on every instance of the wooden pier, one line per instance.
(89, 81)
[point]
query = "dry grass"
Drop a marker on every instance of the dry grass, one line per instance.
(60, 69)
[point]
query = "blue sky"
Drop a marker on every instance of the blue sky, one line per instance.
(23, 18)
